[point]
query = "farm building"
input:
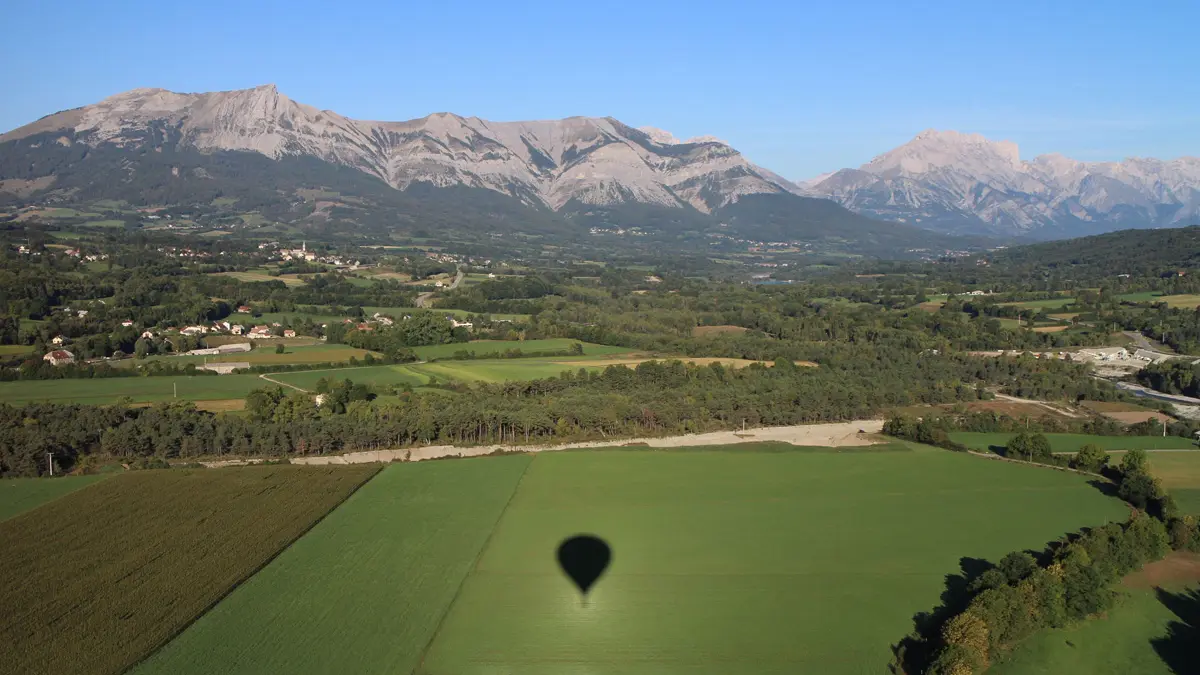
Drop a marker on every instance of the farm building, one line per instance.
(59, 357)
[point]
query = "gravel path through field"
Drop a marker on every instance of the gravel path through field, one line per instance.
(836, 434)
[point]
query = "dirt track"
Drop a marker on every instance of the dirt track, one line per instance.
(838, 434)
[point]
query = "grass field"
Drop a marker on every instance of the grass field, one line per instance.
(138, 389)
(416, 529)
(723, 559)
(1182, 301)
(459, 313)
(18, 495)
(287, 279)
(1180, 474)
(1072, 442)
(1119, 643)
(13, 350)
(1053, 303)
(486, 346)
(1009, 324)
(96, 580)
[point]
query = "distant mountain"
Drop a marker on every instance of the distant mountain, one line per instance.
(965, 183)
(267, 153)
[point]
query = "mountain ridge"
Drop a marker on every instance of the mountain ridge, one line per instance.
(966, 183)
(590, 160)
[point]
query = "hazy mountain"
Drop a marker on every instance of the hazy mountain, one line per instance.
(267, 154)
(954, 182)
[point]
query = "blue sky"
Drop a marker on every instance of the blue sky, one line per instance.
(799, 88)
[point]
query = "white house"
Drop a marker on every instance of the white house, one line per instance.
(127, 323)
(58, 339)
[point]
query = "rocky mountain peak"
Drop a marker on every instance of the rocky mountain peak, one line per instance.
(932, 149)
(962, 182)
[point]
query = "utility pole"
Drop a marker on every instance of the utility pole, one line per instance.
(50, 461)
(175, 389)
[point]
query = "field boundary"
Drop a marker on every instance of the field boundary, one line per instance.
(471, 570)
(252, 573)
(855, 433)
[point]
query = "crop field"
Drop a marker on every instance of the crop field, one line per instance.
(18, 495)
(794, 560)
(1182, 301)
(416, 530)
(109, 390)
(1072, 442)
(95, 581)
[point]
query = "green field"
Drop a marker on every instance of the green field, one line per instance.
(105, 391)
(1180, 474)
(14, 350)
(792, 561)
(1144, 296)
(417, 530)
(1119, 643)
(285, 318)
(261, 275)
(459, 313)
(1053, 303)
(18, 495)
(1072, 442)
(224, 387)
(95, 581)
(484, 346)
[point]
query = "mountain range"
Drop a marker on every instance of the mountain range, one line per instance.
(264, 154)
(291, 163)
(955, 182)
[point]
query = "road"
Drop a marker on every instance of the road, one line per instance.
(283, 384)
(1139, 390)
(423, 298)
(1144, 343)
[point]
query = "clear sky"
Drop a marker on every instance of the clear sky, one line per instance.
(801, 88)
